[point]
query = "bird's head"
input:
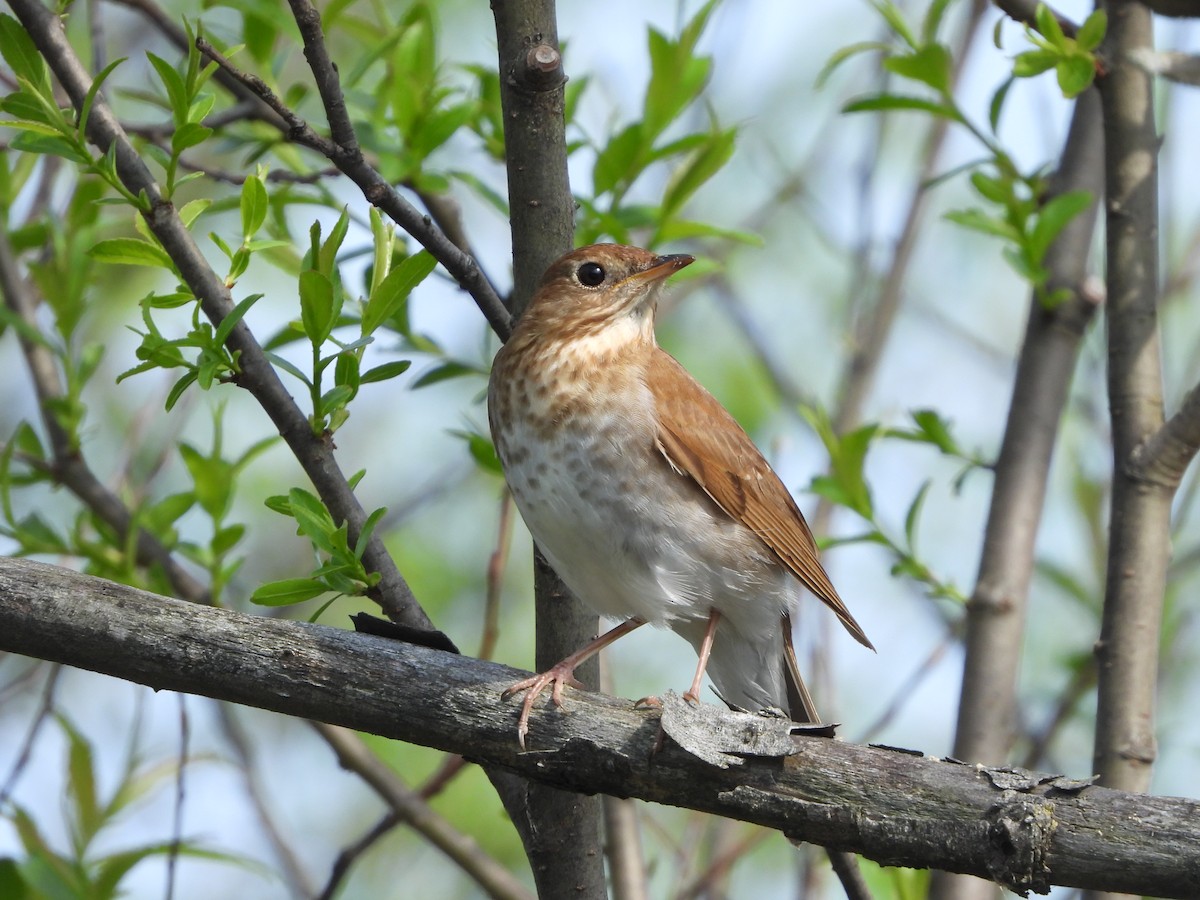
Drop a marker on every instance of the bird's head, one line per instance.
(603, 288)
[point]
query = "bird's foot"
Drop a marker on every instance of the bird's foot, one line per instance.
(559, 676)
(651, 702)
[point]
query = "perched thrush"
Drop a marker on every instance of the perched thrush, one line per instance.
(648, 499)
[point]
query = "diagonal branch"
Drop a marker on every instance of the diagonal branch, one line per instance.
(412, 809)
(1028, 831)
(1166, 454)
(342, 149)
(996, 613)
(257, 374)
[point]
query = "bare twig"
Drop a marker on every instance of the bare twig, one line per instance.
(355, 756)
(235, 735)
(351, 854)
(45, 708)
(497, 563)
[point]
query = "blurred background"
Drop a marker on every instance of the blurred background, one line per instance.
(825, 195)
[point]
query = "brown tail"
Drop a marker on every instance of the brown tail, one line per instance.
(800, 701)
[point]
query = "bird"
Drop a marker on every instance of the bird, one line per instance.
(643, 492)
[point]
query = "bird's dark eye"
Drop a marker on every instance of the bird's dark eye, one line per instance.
(591, 274)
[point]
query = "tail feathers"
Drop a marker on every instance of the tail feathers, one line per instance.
(800, 701)
(756, 674)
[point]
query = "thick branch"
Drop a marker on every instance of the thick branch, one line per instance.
(257, 374)
(996, 614)
(894, 807)
(1139, 526)
(563, 831)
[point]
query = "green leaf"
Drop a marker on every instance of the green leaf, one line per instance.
(335, 398)
(706, 163)
(620, 161)
(288, 591)
(212, 480)
(191, 210)
(978, 220)
(85, 108)
(329, 249)
(312, 518)
(444, 372)
(385, 371)
(998, 190)
(235, 315)
(997, 104)
(1075, 75)
(254, 205)
(913, 516)
(81, 786)
(895, 18)
(846, 53)
(933, 19)
(936, 430)
(1034, 62)
(31, 140)
(394, 290)
(21, 54)
(12, 885)
(1092, 31)
(1053, 217)
(364, 536)
(482, 450)
(894, 102)
(1048, 27)
(131, 252)
(929, 65)
(163, 514)
(316, 306)
(227, 538)
(189, 134)
(177, 94)
(177, 389)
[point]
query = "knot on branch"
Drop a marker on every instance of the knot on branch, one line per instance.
(1019, 833)
(543, 68)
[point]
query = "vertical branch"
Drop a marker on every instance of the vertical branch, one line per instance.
(1139, 536)
(996, 612)
(561, 830)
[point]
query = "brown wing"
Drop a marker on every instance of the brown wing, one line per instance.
(702, 440)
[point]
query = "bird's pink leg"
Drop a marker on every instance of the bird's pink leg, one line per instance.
(693, 693)
(563, 673)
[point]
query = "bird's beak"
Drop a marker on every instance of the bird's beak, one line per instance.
(663, 267)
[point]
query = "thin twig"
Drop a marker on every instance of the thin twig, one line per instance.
(344, 152)
(185, 731)
(497, 563)
(45, 708)
(354, 755)
(350, 855)
(235, 735)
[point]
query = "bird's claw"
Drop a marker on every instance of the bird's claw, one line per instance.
(556, 678)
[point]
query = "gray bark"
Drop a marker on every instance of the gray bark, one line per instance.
(1026, 831)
